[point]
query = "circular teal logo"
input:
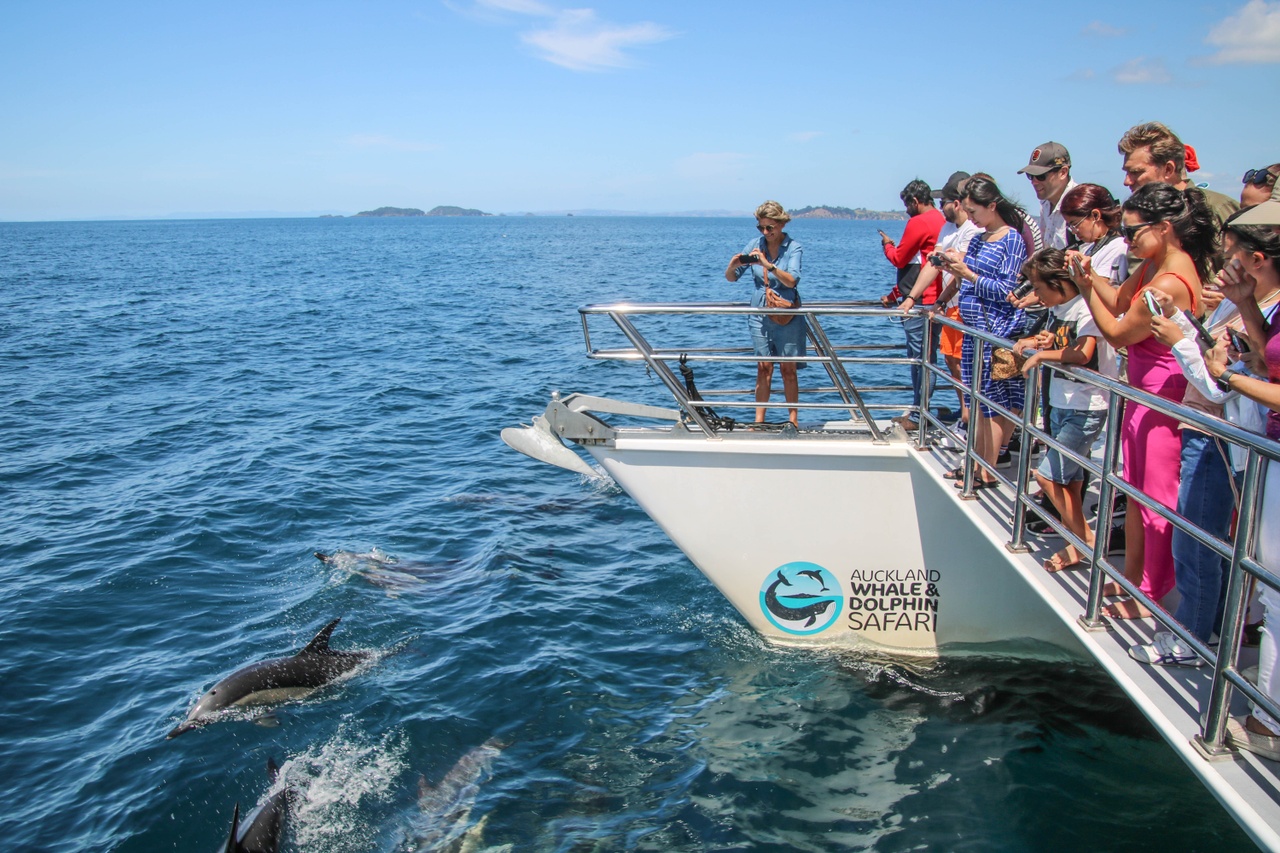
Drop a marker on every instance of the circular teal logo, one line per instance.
(801, 598)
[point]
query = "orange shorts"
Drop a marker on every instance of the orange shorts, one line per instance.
(951, 340)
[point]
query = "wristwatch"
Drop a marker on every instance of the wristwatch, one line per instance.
(1224, 379)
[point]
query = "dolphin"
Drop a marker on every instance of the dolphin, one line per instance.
(383, 569)
(444, 809)
(263, 827)
(794, 614)
(271, 682)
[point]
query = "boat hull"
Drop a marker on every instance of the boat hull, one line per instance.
(843, 543)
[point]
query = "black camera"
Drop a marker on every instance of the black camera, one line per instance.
(1023, 290)
(743, 260)
(937, 258)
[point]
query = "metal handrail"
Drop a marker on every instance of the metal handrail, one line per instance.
(1241, 553)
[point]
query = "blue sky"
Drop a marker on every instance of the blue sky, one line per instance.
(150, 109)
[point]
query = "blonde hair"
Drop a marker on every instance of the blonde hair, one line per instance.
(1163, 143)
(772, 210)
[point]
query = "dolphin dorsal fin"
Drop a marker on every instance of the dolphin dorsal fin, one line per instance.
(273, 769)
(232, 847)
(320, 644)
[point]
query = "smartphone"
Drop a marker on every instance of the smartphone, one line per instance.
(1239, 341)
(1077, 268)
(1152, 305)
(883, 236)
(937, 259)
(1201, 332)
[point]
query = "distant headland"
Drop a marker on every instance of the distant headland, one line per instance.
(441, 210)
(833, 212)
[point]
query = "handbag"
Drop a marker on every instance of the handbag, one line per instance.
(1006, 364)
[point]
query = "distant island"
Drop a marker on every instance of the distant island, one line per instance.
(833, 212)
(441, 210)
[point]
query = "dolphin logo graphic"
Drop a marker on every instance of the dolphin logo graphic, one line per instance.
(807, 613)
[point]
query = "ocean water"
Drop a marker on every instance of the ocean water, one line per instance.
(188, 410)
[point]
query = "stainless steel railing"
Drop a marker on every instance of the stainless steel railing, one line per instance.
(1240, 553)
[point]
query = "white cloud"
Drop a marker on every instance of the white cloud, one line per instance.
(579, 41)
(1251, 35)
(1103, 30)
(1141, 70)
(374, 140)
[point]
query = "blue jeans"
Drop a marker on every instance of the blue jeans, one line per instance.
(1204, 497)
(913, 327)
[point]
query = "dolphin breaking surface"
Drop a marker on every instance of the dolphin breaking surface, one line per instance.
(274, 681)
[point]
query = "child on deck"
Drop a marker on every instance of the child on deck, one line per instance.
(1077, 410)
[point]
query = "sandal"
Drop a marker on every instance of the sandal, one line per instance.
(980, 484)
(954, 474)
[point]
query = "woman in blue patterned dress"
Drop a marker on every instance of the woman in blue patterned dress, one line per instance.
(988, 273)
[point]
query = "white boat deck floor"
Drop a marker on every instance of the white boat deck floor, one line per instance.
(1248, 786)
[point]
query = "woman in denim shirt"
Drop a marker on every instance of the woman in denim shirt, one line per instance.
(774, 261)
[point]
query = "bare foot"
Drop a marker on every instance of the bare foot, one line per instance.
(1126, 609)
(1251, 723)
(1062, 560)
(1111, 589)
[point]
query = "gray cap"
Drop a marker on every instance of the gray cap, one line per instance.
(1046, 158)
(1267, 213)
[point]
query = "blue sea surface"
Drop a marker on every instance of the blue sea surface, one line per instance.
(190, 409)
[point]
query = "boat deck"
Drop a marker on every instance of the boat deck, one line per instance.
(1170, 697)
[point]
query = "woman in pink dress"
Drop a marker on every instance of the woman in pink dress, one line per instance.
(1173, 232)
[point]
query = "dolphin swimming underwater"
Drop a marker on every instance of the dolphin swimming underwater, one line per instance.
(383, 569)
(444, 809)
(271, 682)
(261, 829)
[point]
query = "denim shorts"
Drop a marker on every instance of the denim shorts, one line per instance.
(1076, 430)
(770, 339)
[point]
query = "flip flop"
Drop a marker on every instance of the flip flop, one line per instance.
(954, 474)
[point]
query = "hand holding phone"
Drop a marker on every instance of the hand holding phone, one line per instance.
(1206, 340)
(1152, 304)
(1239, 341)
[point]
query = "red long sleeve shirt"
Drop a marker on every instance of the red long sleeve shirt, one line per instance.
(918, 240)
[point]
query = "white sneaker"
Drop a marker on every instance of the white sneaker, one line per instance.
(1166, 650)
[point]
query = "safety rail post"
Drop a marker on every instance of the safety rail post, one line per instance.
(1031, 399)
(660, 368)
(968, 467)
(820, 336)
(1091, 620)
(926, 383)
(1210, 739)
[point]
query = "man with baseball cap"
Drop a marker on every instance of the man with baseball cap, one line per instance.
(1049, 171)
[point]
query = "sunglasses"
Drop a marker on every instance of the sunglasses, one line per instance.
(1128, 232)
(1258, 177)
(1045, 176)
(766, 229)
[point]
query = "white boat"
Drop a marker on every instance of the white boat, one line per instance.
(845, 533)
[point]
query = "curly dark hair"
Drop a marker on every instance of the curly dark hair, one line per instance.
(917, 190)
(1188, 213)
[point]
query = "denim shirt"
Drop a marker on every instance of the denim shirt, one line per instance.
(788, 259)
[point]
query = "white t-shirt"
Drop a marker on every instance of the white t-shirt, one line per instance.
(952, 237)
(1110, 260)
(1069, 321)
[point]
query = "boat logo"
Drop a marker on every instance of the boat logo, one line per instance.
(801, 598)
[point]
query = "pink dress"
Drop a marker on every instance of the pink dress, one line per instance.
(1152, 450)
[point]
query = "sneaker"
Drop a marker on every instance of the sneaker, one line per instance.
(1004, 460)
(1167, 650)
(1241, 738)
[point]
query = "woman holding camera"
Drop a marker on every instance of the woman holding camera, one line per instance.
(774, 261)
(988, 273)
(1173, 232)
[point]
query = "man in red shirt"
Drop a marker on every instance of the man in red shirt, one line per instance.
(918, 239)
